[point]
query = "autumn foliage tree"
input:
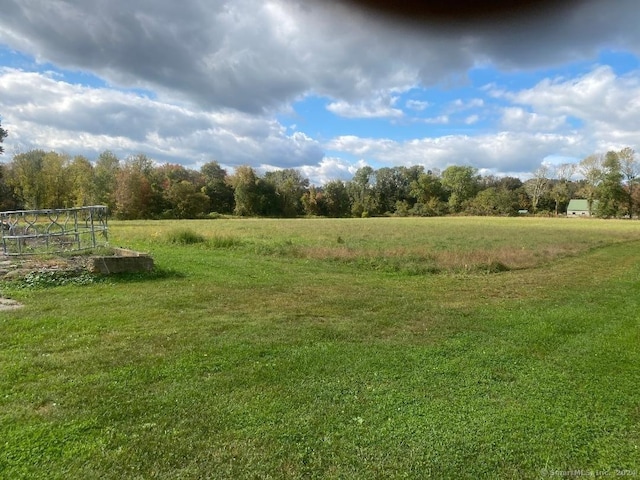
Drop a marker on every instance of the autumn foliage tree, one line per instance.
(133, 191)
(139, 187)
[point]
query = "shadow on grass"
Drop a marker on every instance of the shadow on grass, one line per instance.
(155, 274)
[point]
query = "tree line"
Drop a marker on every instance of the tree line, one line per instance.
(138, 188)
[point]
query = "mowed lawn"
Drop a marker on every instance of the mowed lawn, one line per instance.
(325, 348)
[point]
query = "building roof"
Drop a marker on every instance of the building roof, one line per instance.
(579, 204)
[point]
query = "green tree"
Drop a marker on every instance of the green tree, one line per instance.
(217, 187)
(361, 193)
(494, 201)
(105, 179)
(246, 191)
(8, 200)
(3, 134)
(162, 179)
(630, 169)
(312, 201)
(187, 201)
(336, 199)
(429, 195)
(461, 184)
(426, 187)
(57, 182)
(591, 170)
(289, 186)
(393, 185)
(26, 179)
(610, 192)
(81, 175)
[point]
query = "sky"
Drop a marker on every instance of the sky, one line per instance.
(317, 85)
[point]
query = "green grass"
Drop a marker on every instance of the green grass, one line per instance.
(369, 348)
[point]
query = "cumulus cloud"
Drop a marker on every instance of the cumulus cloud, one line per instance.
(606, 104)
(501, 152)
(47, 113)
(381, 106)
(253, 55)
(220, 71)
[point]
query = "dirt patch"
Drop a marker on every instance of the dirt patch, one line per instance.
(8, 304)
(16, 268)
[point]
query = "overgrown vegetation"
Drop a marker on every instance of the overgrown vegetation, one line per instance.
(274, 359)
(48, 278)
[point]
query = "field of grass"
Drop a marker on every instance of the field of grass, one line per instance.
(320, 348)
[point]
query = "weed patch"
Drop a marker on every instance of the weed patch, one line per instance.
(49, 278)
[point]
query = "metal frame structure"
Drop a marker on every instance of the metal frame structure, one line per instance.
(31, 232)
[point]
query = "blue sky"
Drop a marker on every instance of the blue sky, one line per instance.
(317, 86)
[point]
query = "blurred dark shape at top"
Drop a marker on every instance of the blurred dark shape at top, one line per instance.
(462, 11)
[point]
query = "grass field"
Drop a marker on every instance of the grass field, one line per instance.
(318, 348)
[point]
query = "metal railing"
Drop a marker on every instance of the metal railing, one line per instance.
(30, 232)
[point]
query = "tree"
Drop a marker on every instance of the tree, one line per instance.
(186, 200)
(217, 187)
(312, 201)
(393, 186)
(537, 186)
(162, 179)
(26, 180)
(336, 199)
(461, 184)
(105, 179)
(429, 194)
(591, 170)
(246, 192)
(560, 192)
(426, 187)
(3, 134)
(56, 180)
(133, 194)
(81, 176)
(289, 186)
(610, 192)
(494, 201)
(361, 195)
(630, 169)
(8, 200)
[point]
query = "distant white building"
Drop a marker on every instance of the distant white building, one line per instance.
(580, 208)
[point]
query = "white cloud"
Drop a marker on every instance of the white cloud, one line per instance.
(380, 106)
(220, 70)
(471, 119)
(46, 113)
(500, 152)
(607, 106)
(255, 56)
(439, 120)
(417, 105)
(517, 118)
